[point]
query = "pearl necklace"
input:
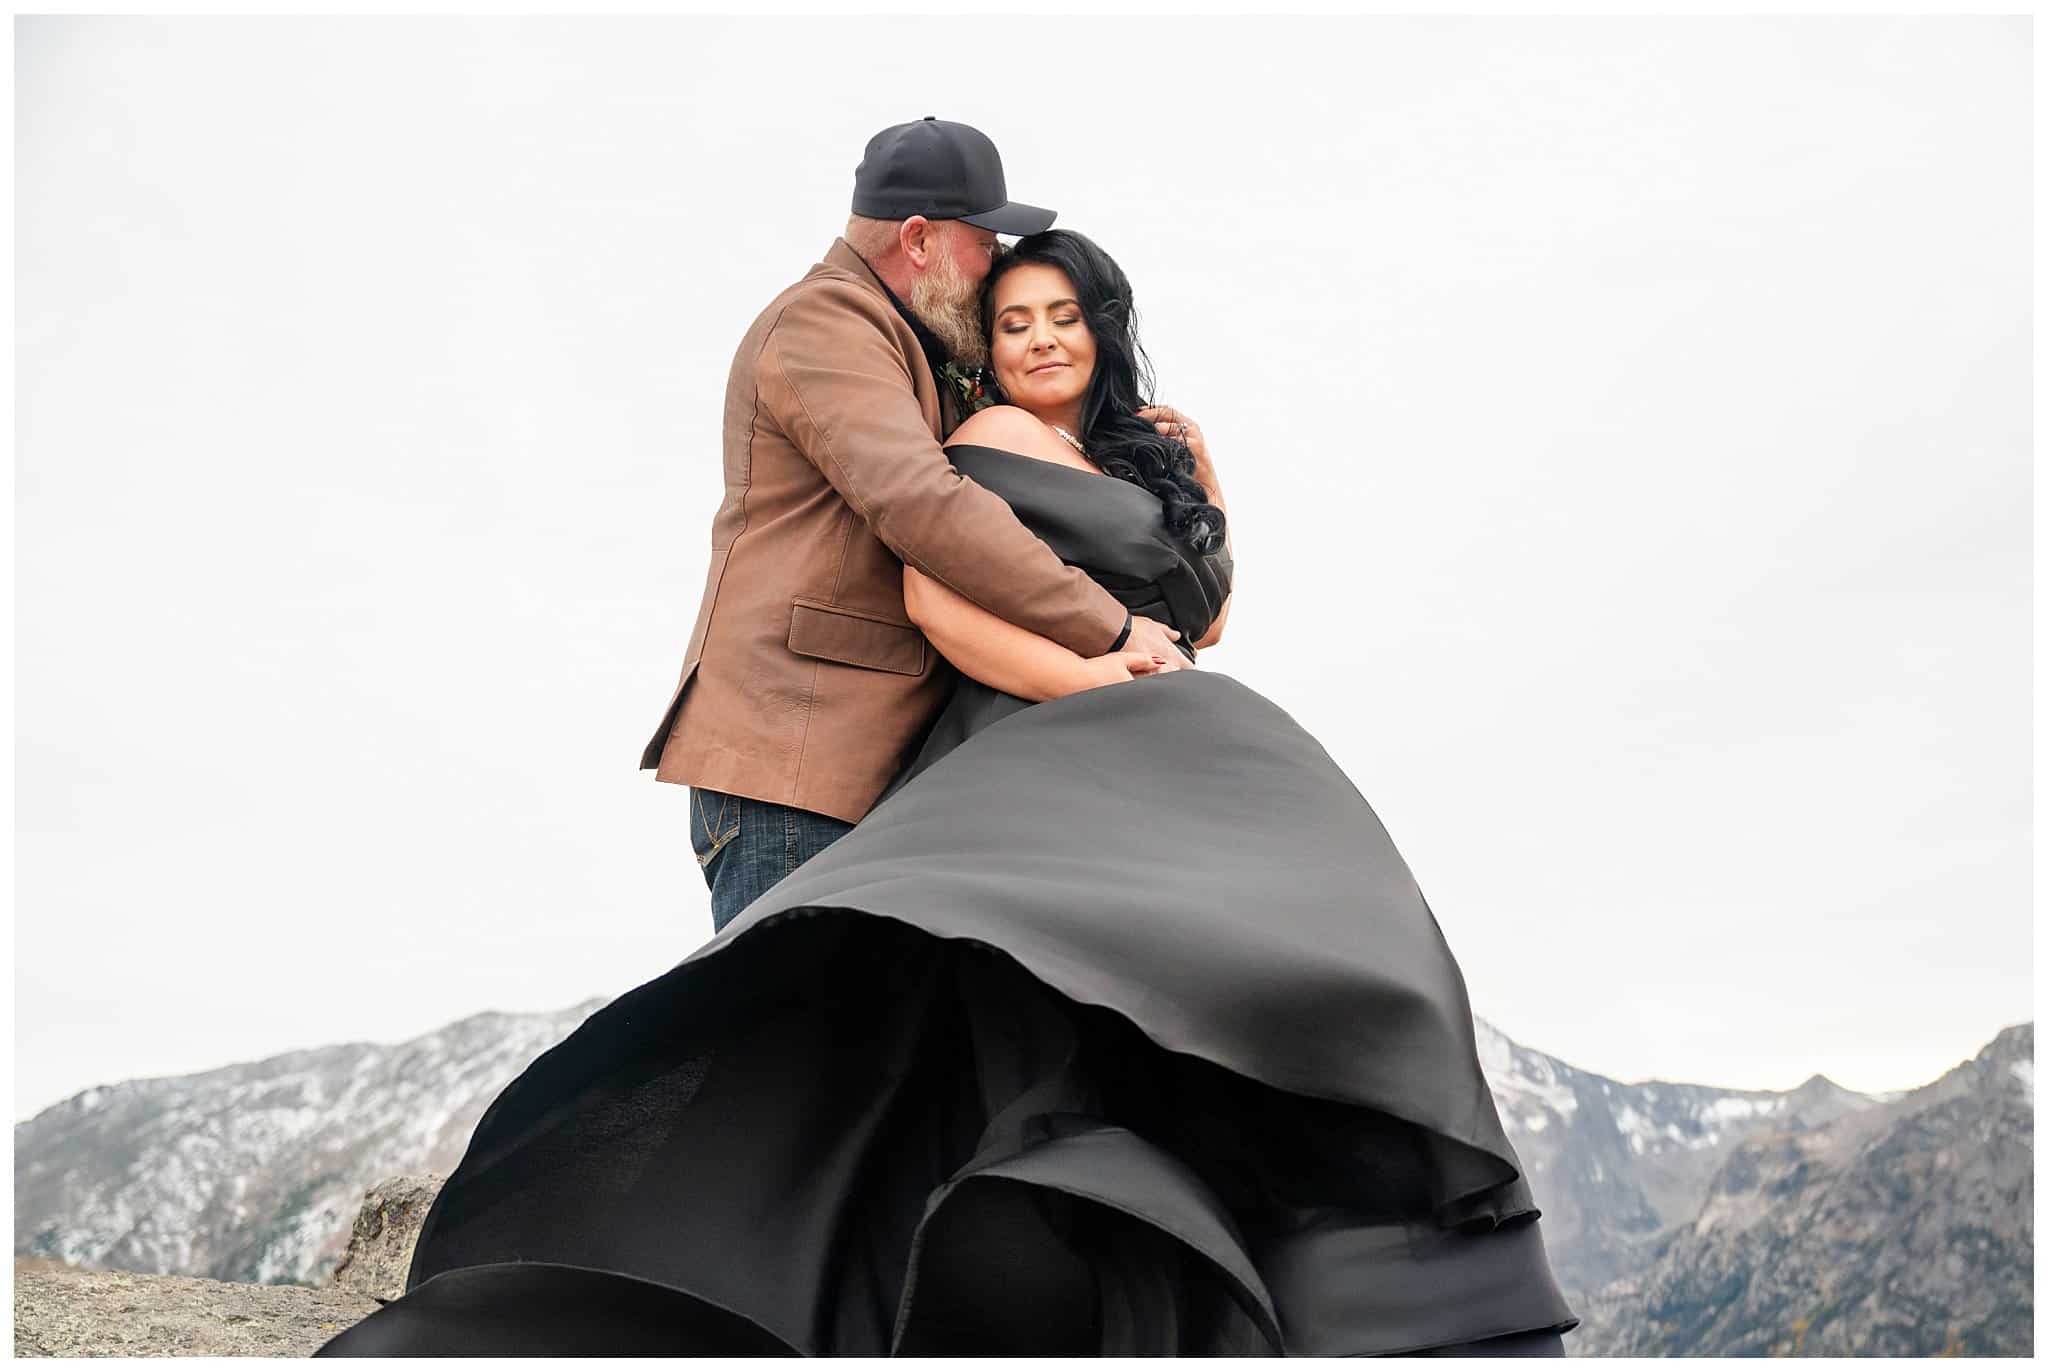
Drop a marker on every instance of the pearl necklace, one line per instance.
(1075, 442)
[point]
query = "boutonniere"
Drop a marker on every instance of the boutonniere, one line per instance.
(969, 383)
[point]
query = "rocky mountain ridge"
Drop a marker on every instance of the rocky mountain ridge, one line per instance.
(252, 1172)
(1902, 1230)
(1616, 1165)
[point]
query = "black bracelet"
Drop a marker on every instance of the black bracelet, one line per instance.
(1125, 636)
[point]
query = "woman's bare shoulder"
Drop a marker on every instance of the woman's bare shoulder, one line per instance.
(1013, 429)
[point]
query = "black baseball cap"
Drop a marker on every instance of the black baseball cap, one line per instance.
(940, 170)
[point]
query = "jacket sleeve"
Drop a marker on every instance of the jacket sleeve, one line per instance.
(835, 382)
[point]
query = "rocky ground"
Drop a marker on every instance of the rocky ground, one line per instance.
(74, 1312)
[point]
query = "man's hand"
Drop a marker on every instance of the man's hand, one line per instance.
(1154, 639)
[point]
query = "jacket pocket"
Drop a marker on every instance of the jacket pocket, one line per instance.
(859, 638)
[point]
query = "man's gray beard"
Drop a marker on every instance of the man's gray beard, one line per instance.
(945, 302)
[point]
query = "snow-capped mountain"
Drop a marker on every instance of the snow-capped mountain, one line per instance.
(1615, 1165)
(1903, 1230)
(255, 1172)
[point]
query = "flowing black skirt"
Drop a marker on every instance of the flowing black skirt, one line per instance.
(1123, 1030)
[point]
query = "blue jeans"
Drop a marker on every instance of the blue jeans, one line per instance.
(745, 846)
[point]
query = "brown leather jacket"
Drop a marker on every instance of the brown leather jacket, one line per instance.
(805, 682)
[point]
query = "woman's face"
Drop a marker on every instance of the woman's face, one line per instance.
(1041, 349)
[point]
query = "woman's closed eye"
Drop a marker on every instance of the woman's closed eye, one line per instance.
(1021, 328)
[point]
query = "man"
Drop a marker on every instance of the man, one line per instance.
(805, 686)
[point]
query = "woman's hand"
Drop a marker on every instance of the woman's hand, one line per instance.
(1173, 423)
(1123, 665)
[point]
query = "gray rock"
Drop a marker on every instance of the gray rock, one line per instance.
(380, 1246)
(61, 1311)
(73, 1312)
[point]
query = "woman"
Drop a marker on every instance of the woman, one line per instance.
(1117, 1026)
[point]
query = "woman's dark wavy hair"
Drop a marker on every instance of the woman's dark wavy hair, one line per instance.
(1121, 443)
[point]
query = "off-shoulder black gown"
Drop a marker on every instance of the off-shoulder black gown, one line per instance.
(1117, 1026)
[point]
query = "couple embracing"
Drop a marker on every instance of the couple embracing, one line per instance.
(1064, 998)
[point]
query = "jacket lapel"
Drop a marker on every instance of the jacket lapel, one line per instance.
(932, 394)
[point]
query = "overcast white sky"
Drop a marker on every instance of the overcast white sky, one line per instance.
(1626, 426)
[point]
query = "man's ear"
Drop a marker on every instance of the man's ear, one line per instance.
(919, 239)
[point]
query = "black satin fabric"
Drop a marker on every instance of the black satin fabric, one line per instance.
(1118, 1026)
